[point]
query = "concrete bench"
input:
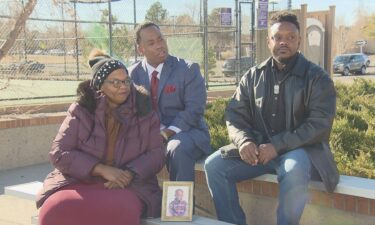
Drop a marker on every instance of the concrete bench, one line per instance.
(354, 196)
(348, 185)
(29, 191)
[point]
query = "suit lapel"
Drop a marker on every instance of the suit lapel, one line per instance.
(143, 75)
(165, 74)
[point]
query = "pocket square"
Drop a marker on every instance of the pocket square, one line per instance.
(169, 89)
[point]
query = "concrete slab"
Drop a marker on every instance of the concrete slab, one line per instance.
(24, 175)
(197, 220)
(25, 191)
(15, 210)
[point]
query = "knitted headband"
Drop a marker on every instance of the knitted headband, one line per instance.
(101, 67)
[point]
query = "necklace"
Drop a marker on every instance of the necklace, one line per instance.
(276, 87)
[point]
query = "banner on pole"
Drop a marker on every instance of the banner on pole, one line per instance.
(263, 14)
(226, 16)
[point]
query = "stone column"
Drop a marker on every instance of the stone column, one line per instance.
(302, 23)
(330, 31)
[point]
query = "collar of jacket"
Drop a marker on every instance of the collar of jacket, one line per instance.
(298, 69)
(138, 102)
(168, 61)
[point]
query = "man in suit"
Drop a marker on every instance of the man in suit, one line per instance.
(178, 95)
(279, 119)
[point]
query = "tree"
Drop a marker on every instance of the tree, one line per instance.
(156, 13)
(356, 31)
(193, 11)
(104, 16)
(16, 30)
(219, 38)
(369, 29)
(120, 36)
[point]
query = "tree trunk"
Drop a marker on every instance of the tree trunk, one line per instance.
(20, 22)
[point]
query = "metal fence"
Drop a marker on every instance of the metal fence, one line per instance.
(58, 36)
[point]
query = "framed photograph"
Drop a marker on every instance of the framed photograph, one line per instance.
(177, 204)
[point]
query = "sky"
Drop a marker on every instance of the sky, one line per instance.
(346, 10)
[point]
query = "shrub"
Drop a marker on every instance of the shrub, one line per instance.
(353, 132)
(216, 123)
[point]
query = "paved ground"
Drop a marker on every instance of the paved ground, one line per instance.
(13, 210)
(33, 92)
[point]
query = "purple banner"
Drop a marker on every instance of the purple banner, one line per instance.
(262, 14)
(226, 16)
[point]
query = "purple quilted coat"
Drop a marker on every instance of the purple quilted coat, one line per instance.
(81, 143)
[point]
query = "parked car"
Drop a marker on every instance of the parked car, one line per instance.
(29, 67)
(228, 68)
(24, 67)
(131, 60)
(367, 60)
(56, 51)
(8, 68)
(351, 63)
(73, 52)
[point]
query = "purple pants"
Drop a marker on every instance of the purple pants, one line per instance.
(91, 204)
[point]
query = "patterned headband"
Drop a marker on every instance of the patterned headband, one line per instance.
(103, 71)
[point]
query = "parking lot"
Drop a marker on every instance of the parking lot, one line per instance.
(370, 73)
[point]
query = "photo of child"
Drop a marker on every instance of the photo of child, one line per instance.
(178, 206)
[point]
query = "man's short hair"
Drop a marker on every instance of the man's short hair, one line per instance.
(141, 27)
(284, 16)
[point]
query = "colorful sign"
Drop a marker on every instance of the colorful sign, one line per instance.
(262, 14)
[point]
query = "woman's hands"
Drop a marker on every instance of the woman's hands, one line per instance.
(116, 178)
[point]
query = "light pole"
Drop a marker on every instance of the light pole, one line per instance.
(135, 25)
(110, 26)
(273, 3)
(24, 36)
(63, 30)
(289, 5)
(174, 23)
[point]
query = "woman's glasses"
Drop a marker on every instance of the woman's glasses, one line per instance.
(118, 83)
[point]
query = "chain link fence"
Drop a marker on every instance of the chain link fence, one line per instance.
(55, 42)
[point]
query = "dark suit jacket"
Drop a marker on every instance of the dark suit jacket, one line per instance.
(181, 97)
(310, 104)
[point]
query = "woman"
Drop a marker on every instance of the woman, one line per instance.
(106, 154)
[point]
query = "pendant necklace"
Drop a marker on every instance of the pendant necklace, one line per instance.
(276, 87)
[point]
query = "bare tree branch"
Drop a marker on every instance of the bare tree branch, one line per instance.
(20, 23)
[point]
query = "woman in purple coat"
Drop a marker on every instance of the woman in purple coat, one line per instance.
(106, 154)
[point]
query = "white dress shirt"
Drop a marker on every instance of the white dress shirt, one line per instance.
(151, 69)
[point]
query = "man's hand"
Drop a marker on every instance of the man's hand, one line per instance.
(116, 177)
(249, 153)
(267, 152)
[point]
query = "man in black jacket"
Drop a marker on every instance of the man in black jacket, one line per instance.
(279, 119)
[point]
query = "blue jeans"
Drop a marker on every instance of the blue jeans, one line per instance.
(293, 174)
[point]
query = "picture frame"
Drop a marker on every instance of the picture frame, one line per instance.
(177, 203)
